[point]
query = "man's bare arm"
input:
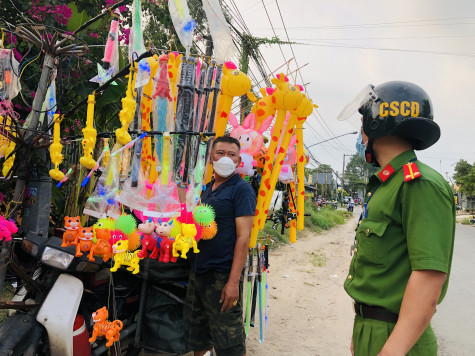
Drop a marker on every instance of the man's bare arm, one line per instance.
(417, 308)
(231, 289)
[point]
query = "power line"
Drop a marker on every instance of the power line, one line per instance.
(338, 45)
(380, 38)
(275, 34)
(413, 23)
(293, 53)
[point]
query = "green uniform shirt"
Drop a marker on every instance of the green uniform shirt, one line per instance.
(409, 226)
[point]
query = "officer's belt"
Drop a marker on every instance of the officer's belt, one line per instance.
(377, 313)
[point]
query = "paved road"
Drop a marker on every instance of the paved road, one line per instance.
(454, 322)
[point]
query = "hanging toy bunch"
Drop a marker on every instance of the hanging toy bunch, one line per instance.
(9, 83)
(9, 89)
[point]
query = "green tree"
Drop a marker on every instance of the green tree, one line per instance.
(465, 177)
(357, 173)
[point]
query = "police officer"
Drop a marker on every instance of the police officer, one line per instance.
(404, 242)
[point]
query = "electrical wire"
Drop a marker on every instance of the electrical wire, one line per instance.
(338, 45)
(410, 23)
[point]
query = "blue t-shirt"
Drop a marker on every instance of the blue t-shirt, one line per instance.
(232, 199)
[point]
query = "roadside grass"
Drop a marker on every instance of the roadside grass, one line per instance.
(319, 220)
(465, 221)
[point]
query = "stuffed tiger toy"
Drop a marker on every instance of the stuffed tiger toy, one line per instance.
(102, 327)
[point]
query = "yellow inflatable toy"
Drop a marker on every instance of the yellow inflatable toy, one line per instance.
(126, 115)
(6, 148)
(233, 83)
(146, 108)
(55, 150)
(263, 107)
(174, 61)
(287, 97)
(301, 162)
(90, 134)
(303, 110)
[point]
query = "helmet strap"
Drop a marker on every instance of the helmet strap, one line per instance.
(369, 154)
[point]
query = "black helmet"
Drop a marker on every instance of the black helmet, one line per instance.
(399, 108)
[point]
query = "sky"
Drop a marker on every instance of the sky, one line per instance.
(349, 44)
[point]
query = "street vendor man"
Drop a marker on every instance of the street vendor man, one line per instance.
(403, 247)
(213, 307)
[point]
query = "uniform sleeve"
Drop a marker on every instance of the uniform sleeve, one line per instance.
(244, 200)
(428, 219)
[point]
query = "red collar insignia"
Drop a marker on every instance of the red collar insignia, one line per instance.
(411, 171)
(385, 173)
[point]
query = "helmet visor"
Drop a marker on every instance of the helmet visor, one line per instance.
(352, 107)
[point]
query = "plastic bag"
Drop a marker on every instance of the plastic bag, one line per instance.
(136, 45)
(183, 23)
(103, 202)
(224, 47)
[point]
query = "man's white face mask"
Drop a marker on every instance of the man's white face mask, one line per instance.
(224, 167)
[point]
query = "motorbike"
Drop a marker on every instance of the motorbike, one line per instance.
(350, 207)
(54, 291)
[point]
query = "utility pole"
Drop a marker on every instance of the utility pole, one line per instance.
(246, 48)
(343, 178)
(336, 187)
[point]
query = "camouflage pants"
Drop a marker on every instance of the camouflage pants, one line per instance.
(205, 325)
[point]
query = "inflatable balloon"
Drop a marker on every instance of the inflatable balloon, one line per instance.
(90, 134)
(233, 83)
(265, 106)
(55, 150)
(260, 157)
(301, 162)
(303, 110)
(287, 97)
(146, 109)
(251, 140)
(174, 61)
(126, 115)
(286, 174)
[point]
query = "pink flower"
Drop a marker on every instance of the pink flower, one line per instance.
(125, 35)
(109, 3)
(62, 14)
(18, 106)
(33, 94)
(95, 35)
(17, 55)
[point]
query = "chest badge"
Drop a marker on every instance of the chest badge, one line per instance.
(411, 171)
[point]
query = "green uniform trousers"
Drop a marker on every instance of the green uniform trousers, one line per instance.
(369, 337)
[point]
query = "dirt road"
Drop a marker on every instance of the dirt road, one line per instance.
(309, 311)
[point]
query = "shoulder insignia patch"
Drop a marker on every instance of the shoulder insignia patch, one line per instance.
(411, 171)
(385, 173)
